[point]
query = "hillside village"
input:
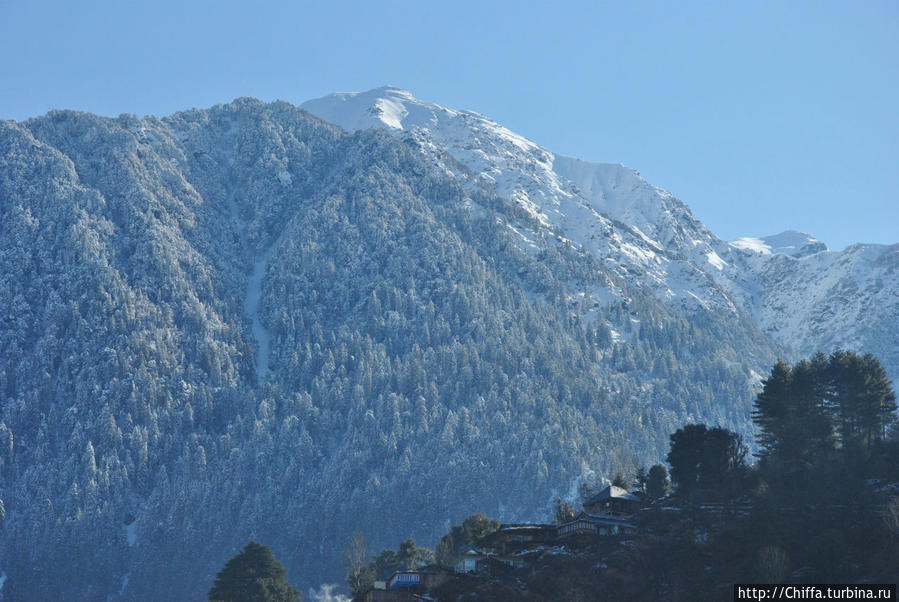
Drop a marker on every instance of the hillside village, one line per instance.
(623, 545)
(821, 505)
(608, 514)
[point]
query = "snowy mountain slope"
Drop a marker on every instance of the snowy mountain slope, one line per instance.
(826, 299)
(643, 231)
(806, 297)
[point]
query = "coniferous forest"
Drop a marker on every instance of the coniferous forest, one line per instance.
(246, 324)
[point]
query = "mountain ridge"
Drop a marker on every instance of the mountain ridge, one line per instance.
(579, 197)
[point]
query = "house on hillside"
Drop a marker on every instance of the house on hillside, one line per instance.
(421, 579)
(468, 562)
(408, 585)
(596, 525)
(612, 500)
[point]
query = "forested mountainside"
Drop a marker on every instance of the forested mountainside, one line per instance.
(245, 323)
(806, 297)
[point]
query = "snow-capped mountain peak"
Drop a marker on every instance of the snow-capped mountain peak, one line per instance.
(559, 191)
(606, 208)
(789, 283)
(790, 242)
(381, 107)
(398, 109)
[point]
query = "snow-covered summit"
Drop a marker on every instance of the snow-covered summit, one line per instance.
(381, 107)
(606, 208)
(790, 242)
(560, 191)
(507, 161)
(398, 109)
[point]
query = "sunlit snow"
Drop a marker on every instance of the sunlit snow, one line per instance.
(789, 282)
(791, 242)
(752, 244)
(715, 260)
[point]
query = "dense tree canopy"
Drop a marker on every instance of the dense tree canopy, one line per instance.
(707, 459)
(253, 576)
(808, 410)
(657, 482)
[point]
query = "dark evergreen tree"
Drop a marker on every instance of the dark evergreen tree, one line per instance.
(253, 576)
(408, 556)
(793, 415)
(771, 412)
(686, 455)
(384, 565)
(640, 479)
(411, 556)
(619, 480)
(709, 459)
(723, 459)
(657, 483)
(862, 398)
(805, 411)
(808, 430)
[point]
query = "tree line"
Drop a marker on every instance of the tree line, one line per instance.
(826, 426)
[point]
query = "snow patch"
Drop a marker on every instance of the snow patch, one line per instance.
(756, 245)
(251, 306)
(643, 256)
(391, 112)
(530, 246)
(387, 106)
(697, 299)
(253, 294)
(791, 242)
(125, 579)
(715, 260)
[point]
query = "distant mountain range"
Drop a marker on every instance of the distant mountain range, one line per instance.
(258, 322)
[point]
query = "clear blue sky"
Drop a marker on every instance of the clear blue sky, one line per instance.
(761, 116)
